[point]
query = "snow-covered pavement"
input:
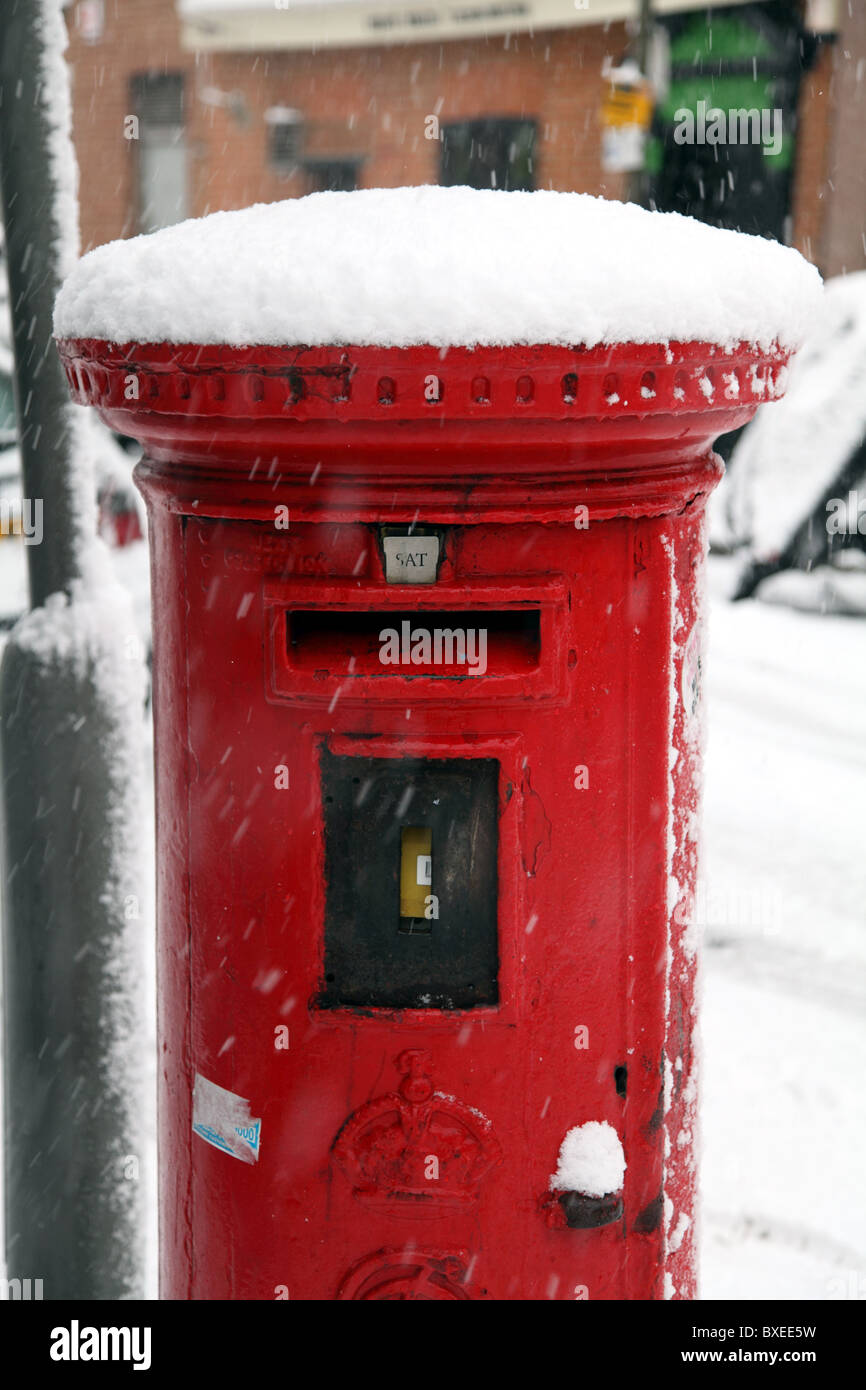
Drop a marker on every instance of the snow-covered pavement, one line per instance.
(784, 999)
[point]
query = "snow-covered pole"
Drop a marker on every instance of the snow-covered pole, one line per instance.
(70, 709)
(40, 214)
(636, 191)
(642, 35)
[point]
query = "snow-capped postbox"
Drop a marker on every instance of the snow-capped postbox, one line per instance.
(426, 472)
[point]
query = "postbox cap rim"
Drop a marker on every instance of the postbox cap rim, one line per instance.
(356, 383)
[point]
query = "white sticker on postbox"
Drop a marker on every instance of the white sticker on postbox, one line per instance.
(223, 1119)
(411, 559)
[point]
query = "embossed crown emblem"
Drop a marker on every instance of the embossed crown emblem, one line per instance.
(416, 1144)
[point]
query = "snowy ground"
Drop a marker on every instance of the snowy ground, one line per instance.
(784, 1022)
(784, 1003)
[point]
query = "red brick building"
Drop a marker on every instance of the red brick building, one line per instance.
(182, 107)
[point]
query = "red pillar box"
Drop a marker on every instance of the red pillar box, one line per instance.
(427, 660)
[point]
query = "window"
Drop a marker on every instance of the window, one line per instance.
(158, 102)
(333, 175)
(489, 153)
(285, 138)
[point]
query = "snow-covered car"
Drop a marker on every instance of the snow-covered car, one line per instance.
(793, 502)
(120, 523)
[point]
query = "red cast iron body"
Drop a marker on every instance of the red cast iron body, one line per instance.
(407, 1140)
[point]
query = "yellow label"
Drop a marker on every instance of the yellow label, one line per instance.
(416, 847)
(622, 108)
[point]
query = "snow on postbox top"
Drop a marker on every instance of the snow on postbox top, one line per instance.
(446, 267)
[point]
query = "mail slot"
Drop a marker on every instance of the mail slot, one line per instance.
(500, 640)
(446, 645)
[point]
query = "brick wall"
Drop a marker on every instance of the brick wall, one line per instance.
(367, 103)
(814, 118)
(137, 36)
(844, 198)
(371, 104)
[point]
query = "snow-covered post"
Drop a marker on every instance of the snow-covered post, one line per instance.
(642, 37)
(640, 46)
(71, 696)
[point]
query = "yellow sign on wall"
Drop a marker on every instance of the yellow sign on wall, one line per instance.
(625, 116)
(627, 106)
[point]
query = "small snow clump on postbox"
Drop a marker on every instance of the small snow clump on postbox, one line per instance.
(591, 1161)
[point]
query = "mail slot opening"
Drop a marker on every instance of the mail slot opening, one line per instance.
(442, 644)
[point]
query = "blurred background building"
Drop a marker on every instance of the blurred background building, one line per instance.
(183, 107)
